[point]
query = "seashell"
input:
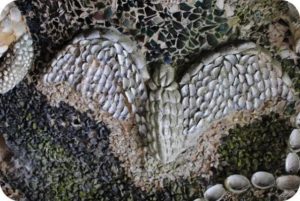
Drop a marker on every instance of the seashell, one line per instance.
(118, 47)
(237, 184)
(292, 163)
(185, 102)
(252, 59)
(241, 78)
(294, 140)
(231, 58)
(287, 80)
(231, 78)
(227, 65)
(249, 105)
(235, 72)
(244, 59)
(268, 93)
(219, 60)
(208, 68)
(257, 103)
(241, 68)
(192, 89)
(289, 182)
(274, 91)
(249, 79)
(215, 193)
(263, 180)
(232, 91)
(242, 102)
(95, 49)
(251, 69)
(212, 85)
(184, 90)
(261, 86)
(254, 92)
(215, 72)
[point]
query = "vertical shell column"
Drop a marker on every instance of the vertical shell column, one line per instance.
(164, 115)
(16, 48)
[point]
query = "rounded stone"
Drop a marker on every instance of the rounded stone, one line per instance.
(262, 180)
(289, 182)
(237, 184)
(215, 193)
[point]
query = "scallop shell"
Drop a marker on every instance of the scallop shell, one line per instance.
(237, 184)
(263, 180)
(289, 182)
(215, 193)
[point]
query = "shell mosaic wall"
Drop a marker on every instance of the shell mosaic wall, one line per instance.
(191, 100)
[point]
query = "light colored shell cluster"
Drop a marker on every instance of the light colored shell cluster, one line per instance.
(15, 47)
(240, 78)
(105, 67)
(263, 180)
(16, 63)
(234, 79)
(12, 26)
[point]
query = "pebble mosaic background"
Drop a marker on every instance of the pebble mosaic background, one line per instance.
(193, 100)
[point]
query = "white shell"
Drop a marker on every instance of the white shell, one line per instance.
(294, 140)
(215, 193)
(292, 163)
(263, 180)
(237, 184)
(289, 182)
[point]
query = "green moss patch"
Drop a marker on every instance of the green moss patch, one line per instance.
(259, 146)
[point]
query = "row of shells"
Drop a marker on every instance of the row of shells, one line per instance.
(238, 184)
(105, 67)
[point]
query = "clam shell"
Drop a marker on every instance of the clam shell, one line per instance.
(237, 184)
(289, 182)
(292, 163)
(262, 180)
(215, 193)
(294, 140)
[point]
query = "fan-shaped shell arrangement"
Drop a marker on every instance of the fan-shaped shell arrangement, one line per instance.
(150, 100)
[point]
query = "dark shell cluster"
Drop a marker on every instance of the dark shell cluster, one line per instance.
(61, 154)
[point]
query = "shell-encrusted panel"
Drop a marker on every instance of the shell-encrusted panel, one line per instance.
(16, 63)
(16, 48)
(241, 77)
(236, 78)
(12, 26)
(104, 67)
